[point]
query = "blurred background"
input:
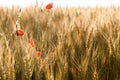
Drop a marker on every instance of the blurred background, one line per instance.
(63, 3)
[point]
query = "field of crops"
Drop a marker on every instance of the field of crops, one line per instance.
(60, 43)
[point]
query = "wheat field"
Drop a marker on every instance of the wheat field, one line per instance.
(75, 44)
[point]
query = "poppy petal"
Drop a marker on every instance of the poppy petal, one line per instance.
(20, 32)
(49, 6)
(38, 53)
(31, 42)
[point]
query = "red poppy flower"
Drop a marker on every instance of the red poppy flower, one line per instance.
(19, 32)
(31, 42)
(38, 53)
(49, 6)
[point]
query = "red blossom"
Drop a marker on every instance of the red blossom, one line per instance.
(31, 42)
(38, 53)
(49, 6)
(19, 32)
